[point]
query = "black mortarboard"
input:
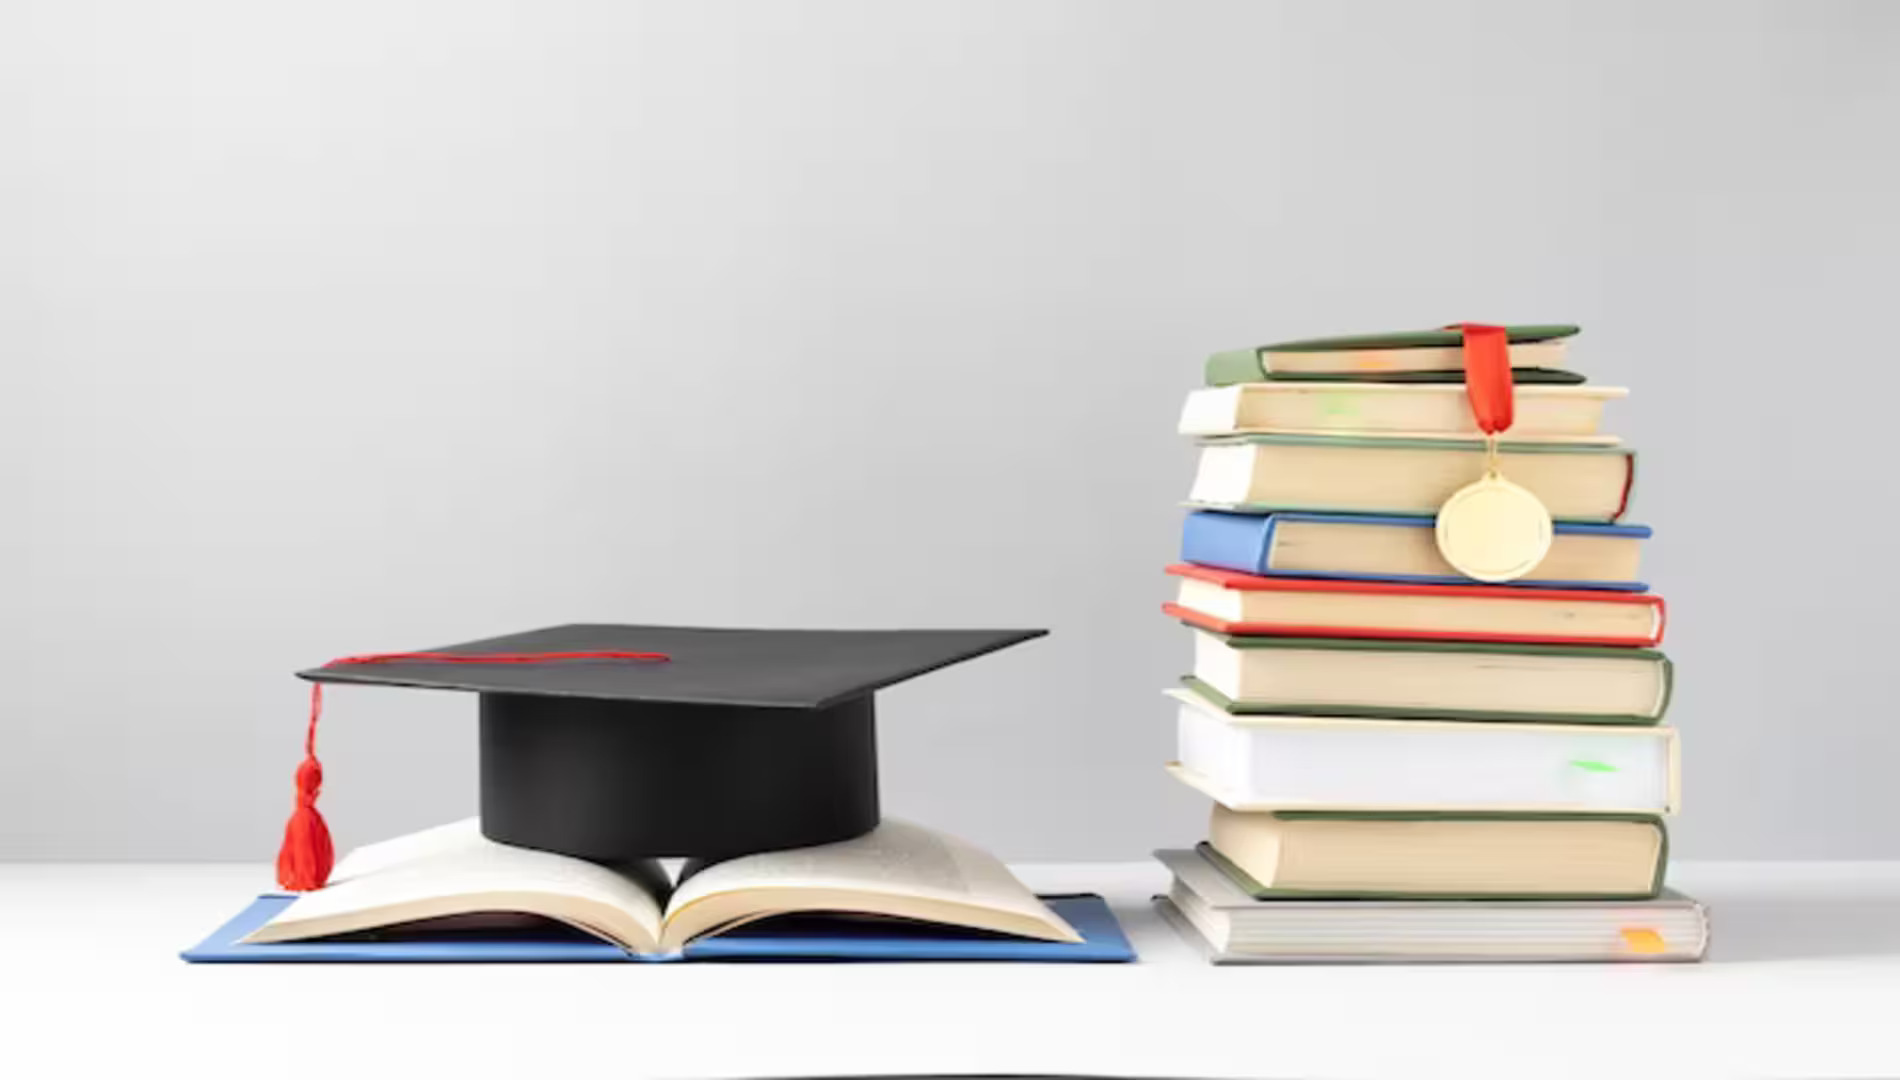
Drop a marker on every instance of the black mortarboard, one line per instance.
(737, 741)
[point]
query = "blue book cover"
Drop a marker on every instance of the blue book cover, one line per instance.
(1245, 542)
(772, 939)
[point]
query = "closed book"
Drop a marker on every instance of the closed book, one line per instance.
(1571, 684)
(1560, 413)
(1212, 912)
(1399, 549)
(1441, 855)
(1348, 475)
(1237, 604)
(1293, 762)
(1519, 376)
(1374, 356)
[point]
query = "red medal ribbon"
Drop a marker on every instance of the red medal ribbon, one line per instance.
(307, 855)
(1488, 375)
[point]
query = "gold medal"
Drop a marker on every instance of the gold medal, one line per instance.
(1491, 529)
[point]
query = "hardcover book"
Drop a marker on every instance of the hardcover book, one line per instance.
(1398, 549)
(1377, 356)
(1235, 604)
(1571, 684)
(1293, 762)
(1342, 475)
(1438, 855)
(1233, 928)
(1553, 413)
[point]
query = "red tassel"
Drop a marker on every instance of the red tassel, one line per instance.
(305, 859)
(307, 855)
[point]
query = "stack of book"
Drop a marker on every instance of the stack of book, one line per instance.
(1406, 764)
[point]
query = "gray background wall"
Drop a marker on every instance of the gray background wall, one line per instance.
(366, 325)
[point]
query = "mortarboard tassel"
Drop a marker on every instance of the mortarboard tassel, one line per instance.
(307, 854)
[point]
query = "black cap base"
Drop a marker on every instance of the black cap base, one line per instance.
(612, 781)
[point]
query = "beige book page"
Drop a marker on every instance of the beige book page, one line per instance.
(899, 869)
(455, 870)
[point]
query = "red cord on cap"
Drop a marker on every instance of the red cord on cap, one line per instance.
(307, 855)
(1488, 375)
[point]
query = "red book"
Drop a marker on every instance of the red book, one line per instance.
(1226, 602)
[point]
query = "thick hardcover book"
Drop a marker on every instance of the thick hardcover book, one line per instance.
(1226, 602)
(778, 939)
(1233, 928)
(1272, 762)
(1311, 676)
(1400, 549)
(1389, 410)
(1481, 841)
(1403, 476)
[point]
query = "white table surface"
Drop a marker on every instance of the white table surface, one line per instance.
(1804, 979)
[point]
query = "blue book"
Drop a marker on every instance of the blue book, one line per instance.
(1398, 549)
(791, 938)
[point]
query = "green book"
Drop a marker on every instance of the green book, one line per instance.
(1439, 855)
(1381, 357)
(1520, 376)
(1431, 680)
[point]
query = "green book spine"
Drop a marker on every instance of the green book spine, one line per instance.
(1235, 366)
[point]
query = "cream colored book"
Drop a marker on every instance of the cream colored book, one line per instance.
(1553, 413)
(898, 870)
(1358, 475)
(1348, 854)
(1575, 684)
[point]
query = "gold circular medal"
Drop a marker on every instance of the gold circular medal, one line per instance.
(1493, 530)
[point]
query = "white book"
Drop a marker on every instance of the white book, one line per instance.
(1234, 928)
(1330, 763)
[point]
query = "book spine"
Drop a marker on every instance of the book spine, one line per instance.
(1235, 366)
(1228, 541)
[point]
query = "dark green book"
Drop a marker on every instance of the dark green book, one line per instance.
(1431, 680)
(1441, 855)
(1382, 357)
(1520, 376)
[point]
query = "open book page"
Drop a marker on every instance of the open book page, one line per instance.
(898, 869)
(454, 870)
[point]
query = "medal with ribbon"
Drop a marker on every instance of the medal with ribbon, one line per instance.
(1491, 529)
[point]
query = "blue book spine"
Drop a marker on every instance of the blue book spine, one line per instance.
(1230, 541)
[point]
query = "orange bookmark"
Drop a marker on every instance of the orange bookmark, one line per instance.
(1642, 940)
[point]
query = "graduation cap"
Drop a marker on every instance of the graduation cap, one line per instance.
(614, 743)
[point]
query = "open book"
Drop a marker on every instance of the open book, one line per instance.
(897, 871)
